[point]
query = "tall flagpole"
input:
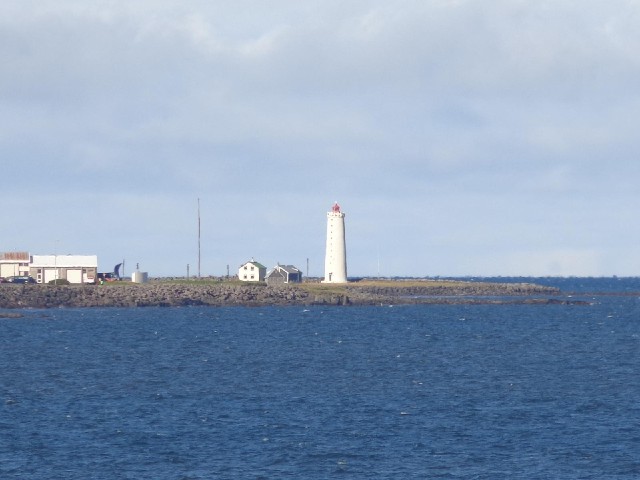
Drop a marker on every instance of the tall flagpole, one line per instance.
(198, 238)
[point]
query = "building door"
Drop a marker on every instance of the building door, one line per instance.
(7, 270)
(50, 274)
(74, 275)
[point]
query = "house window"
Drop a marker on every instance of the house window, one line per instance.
(252, 268)
(245, 267)
(252, 277)
(245, 277)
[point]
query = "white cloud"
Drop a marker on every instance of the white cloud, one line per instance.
(471, 127)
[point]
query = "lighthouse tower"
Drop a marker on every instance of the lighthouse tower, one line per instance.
(335, 260)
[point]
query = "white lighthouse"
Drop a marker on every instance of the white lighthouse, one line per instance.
(335, 260)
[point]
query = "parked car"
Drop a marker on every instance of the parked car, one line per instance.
(21, 279)
(3, 280)
(108, 277)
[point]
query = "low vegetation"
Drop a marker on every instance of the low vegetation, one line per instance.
(219, 292)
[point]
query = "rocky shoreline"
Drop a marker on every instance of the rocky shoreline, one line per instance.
(173, 294)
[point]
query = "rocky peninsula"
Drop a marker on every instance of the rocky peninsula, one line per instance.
(166, 293)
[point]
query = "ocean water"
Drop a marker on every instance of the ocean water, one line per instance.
(393, 392)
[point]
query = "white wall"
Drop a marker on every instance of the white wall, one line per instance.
(335, 261)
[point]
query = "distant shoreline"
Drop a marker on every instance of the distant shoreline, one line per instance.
(174, 293)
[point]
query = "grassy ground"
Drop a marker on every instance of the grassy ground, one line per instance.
(411, 283)
(314, 286)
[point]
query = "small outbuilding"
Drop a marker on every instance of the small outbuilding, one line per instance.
(252, 271)
(282, 274)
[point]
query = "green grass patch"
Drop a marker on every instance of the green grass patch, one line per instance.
(411, 283)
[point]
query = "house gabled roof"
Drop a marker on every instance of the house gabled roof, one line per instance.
(288, 268)
(254, 263)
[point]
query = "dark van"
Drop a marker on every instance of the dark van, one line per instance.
(20, 279)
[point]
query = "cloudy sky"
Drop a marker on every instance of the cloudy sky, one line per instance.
(460, 137)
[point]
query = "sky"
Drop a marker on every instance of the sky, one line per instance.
(460, 137)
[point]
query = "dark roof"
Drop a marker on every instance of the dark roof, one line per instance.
(289, 268)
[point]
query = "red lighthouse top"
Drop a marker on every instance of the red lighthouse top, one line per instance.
(336, 208)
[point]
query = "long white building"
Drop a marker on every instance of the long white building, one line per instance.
(335, 260)
(74, 268)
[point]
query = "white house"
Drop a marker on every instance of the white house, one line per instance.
(73, 268)
(252, 271)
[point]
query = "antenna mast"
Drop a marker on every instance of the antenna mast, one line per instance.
(198, 237)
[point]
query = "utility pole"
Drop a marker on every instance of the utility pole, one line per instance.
(198, 238)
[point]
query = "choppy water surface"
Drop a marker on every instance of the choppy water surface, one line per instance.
(477, 392)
